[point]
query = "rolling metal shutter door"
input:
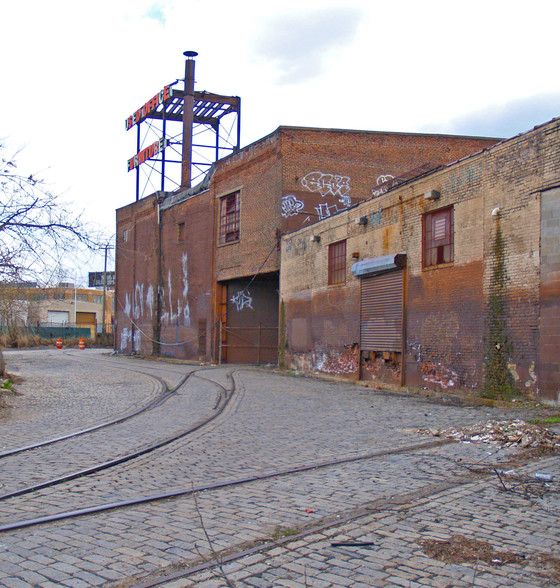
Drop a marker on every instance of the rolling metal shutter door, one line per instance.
(382, 312)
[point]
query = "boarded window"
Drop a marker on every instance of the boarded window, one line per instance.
(438, 238)
(229, 218)
(337, 263)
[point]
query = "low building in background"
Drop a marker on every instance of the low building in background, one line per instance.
(64, 310)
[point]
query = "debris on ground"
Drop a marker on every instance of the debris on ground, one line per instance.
(516, 433)
(459, 549)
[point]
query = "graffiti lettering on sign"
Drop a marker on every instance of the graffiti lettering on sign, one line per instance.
(326, 184)
(325, 210)
(291, 206)
(383, 183)
(242, 300)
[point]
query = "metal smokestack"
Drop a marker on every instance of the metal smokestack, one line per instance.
(188, 104)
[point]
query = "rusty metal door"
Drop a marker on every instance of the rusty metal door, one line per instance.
(381, 323)
(251, 329)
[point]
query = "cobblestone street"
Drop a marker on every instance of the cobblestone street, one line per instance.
(289, 481)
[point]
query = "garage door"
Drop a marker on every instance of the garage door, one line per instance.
(381, 322)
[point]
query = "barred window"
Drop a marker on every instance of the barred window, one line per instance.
(337, 263)
(438, 238)
(229, 218)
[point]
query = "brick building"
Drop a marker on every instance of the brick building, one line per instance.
(198, 269)
(449, 280)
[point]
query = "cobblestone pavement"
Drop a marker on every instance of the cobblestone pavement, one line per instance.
(390, 500)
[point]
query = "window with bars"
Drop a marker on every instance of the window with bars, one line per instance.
(337, 263)
(229, 218)
(437, 245)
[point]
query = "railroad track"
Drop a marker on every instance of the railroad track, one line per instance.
(42, 456)
(224, 396)
(221, 475)
(64, 515)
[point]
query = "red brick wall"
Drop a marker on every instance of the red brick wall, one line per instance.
(446, 307)
(187, 316)
(255, 173)
(136, 276)
(328, 170)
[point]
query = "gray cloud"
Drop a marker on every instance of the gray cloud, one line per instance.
(508, 119)
(299, 45)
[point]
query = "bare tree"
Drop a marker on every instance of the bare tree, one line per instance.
(38, 235)
(37, 229)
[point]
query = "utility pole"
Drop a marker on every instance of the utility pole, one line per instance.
(104, 328)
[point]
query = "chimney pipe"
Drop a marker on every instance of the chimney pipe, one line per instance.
(188, 104)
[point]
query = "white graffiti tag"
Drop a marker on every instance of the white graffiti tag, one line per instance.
(150, 301)
(186, 310)
(326, 184)
(242, 300)
(383, 183)
(324, 210)
(291, 206)
(346, 201)
(126, 336)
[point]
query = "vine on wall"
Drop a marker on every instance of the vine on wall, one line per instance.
(498, 381)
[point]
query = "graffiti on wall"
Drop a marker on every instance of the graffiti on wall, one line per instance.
(126, 336)
(376, 218)
(175, 308)
(186, 310)
(466, 176)
(383, 184)
(291, 206)
(325, 210)
(341, 361)
(150, 301)
(138, 307)
(327, 184)
(242, 300)
(177, 311)
(297, 244)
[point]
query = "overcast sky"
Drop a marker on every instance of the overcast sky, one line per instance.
(73, 71)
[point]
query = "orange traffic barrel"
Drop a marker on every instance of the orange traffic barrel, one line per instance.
(82, 343)
(59, 343)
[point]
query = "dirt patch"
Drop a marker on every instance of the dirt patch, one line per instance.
(460, 549)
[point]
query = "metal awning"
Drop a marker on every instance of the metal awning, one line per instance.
(376, 265)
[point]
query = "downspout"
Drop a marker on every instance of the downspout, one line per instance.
(156, 345)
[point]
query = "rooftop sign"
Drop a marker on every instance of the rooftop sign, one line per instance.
(149, 107)
(147, 153)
